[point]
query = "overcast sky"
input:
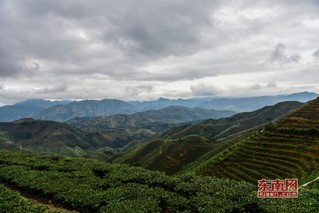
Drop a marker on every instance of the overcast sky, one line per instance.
(146, 49)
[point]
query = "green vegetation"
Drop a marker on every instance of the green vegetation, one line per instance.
(225, 127)
(12, 201)
(88, 185)
(286, 148)
(167, 155)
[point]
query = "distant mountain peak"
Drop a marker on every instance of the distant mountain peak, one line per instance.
(163, 99)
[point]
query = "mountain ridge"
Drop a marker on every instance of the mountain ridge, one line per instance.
(65, 110)
(287, 147)
(196, 139)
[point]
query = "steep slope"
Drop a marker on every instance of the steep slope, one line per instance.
(48, 136)
(232, 125)
(209, 130)
(87, 108)
(286, 148)
(167, 155)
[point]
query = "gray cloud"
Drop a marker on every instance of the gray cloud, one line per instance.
(256, 86)
(279, 55)
(271, 84)
(316, 54)
(9, 66)
(137, 90)
(54, 89)
(205, 90)
(160, 29)
(129, 43)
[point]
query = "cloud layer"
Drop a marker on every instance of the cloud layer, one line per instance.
(144, 49)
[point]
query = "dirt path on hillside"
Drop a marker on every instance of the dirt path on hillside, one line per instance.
(37, 200)
(306, 184)
(51, 206)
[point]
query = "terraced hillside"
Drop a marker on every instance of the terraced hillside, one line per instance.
(224, 127)
(168, 155)
(286, 148)
(30, 182)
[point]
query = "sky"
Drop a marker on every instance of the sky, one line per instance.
(147, 49)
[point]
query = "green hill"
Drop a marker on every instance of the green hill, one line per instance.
(177, 147)
(168, 155)
(288, 147)
(48, 136)
(124, 129)
(225, 127)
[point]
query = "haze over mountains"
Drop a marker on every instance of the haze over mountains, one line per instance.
(65, 110)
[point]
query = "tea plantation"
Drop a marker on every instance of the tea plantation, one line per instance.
(87, 185)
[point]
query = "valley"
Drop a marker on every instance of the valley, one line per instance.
(174, 159)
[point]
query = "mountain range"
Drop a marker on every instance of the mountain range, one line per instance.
(65, 110)
(98, 136)
(82, 135)
(241, 104)
(214, 163)
(176, 147)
